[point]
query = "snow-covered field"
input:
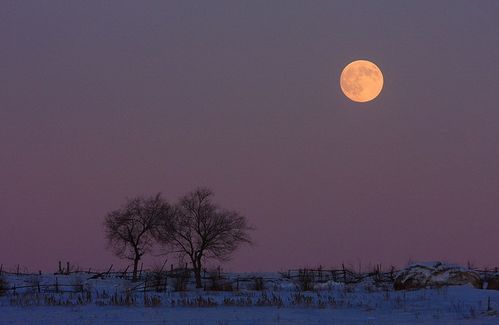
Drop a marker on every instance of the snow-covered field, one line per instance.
(265, 298)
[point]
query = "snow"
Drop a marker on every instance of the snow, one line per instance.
(59, 299)
(436, 274)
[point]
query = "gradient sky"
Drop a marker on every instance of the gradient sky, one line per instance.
(105, 100)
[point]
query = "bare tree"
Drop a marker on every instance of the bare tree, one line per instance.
(200, 230)
(129, 230)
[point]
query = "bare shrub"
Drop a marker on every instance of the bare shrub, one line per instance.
(259, 284)
(157, 279)
(238, 302)
(78, 284)
(3, 285)
(152, 301)
(55, 287)
(103, 298)
(181, 279)
(218, 283)
(299, 299)
(126, 299)
(194, 302)
(348, 288)
(306, 279)
(272, 299)
(26, 299)
(34, 282)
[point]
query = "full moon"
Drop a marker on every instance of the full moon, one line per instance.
(361, 81)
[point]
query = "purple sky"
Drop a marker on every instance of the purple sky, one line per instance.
(105, 100)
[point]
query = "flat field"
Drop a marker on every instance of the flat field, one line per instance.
(236, 298)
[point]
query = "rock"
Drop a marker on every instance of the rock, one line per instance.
(435, 274)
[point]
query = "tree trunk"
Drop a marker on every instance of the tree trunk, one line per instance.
(197, 273)
(135, 267)
(196, 265)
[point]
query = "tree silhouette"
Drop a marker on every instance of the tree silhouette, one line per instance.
(201, 230)
(129, 230)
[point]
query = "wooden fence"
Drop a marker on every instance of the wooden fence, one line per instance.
(150, 280)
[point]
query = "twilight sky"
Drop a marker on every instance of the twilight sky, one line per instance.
(102, 100)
